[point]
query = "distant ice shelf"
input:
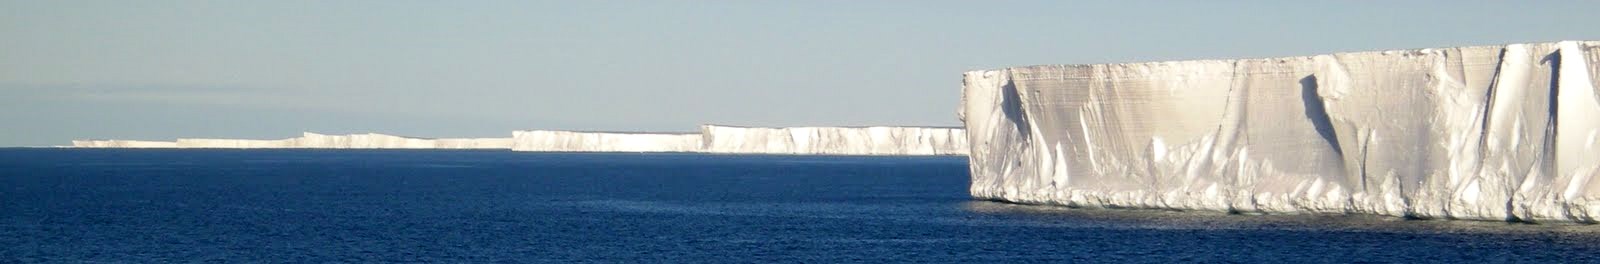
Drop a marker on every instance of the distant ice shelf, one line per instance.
(711, 139)
(574, 141)
(123, 144)
(1488, 133)
(310, 140)
(756, 140)
(836, 140)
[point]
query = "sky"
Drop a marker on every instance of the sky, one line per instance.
(160, 70)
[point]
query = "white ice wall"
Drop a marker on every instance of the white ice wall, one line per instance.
(835, 140)
(1492, 132)
(712, 139)
(234, 143)
(572, 141)
(473, 143)
(311, 140)
(122, 144)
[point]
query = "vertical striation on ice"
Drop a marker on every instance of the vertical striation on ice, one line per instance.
(1490, 132)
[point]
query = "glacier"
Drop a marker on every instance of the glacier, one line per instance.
(1504, 133)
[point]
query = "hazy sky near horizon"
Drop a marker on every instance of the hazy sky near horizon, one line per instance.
(159, 70)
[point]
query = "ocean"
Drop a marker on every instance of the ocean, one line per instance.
(131, 205)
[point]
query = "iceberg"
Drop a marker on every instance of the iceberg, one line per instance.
(876, 140)
(1504, 133)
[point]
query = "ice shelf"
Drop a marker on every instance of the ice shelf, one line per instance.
(1488, 133)
(311, 140)
(836, 140)
(712, 139)
(123, 144)
(573, 141)
(756, 140)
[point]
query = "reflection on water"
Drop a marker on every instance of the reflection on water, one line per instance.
(1047, 215)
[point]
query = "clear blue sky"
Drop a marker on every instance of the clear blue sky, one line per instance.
(271, 69)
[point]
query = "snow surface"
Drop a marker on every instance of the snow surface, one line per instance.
(1489, 133)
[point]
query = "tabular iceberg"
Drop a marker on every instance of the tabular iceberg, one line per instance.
(835, 140)
(1489, 133)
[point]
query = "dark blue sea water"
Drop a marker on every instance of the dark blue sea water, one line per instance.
(76, 205)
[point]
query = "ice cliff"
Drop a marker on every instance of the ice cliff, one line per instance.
(312, 140)
(711, 139)
(1490, 133)
(123, 144)
(835, 140)
(573, 141)
(754, 140)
